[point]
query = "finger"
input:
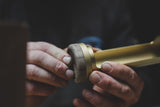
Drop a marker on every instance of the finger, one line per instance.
(99, 101)
(38, 89)
(112, 86)
(104, 93)
(124, 73)
(36, 73)
(50, 49)
(81, 103)
(49, 63)
(101, 91)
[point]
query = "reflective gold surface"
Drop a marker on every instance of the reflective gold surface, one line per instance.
(133, 56)
(89, 58)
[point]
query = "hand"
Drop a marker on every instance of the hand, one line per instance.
(46, 69)
(116, 86)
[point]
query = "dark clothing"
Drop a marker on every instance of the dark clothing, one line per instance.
(101, 23)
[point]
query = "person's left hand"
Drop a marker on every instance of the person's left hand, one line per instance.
(116, 86)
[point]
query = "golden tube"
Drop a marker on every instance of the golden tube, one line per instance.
(134, 56)
(85, 60)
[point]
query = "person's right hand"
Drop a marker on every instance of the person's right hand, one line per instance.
(46, 68)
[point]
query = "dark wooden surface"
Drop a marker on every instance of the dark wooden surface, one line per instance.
(12, 64)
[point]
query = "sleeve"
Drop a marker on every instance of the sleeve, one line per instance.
(118, 25)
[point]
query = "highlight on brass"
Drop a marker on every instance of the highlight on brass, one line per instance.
(85, 60)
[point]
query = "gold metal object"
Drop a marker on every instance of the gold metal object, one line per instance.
(133, 56)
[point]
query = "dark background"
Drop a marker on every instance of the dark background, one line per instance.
(145, 14)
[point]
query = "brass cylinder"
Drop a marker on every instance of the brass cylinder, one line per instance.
(85, 60)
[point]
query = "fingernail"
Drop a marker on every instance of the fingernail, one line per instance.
(69, 73)
(95, 78)
(88, 94)
(106, 67)
(67, 59)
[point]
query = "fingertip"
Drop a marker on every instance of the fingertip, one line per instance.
(69, 74)
(67, 60)
(94, 77)
(106, 66)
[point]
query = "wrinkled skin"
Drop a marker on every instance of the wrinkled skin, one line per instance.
(46, 69)
(116, 86)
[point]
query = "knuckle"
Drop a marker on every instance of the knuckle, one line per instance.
(107, 83)
(59, 66)
(32, 71)
(130, 97)
(121, 71)
(36, 56)
(124, 71)
(59, 55)
(44, 46)
(126, 91)
(39, 56)
(119, 66)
